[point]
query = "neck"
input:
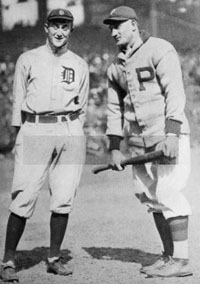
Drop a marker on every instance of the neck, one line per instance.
(132, 45)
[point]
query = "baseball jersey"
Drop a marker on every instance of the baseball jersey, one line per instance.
(146, 97)
(45, 81)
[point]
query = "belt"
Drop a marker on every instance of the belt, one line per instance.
(37, 118)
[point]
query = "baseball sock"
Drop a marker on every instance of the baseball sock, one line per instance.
(179, 230)
(58, 225)
(15, 229)
(164, 232)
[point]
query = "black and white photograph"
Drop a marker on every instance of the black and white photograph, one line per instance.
(99, 141)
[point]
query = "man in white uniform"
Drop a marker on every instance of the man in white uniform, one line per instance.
(50, 99)
(146, 103)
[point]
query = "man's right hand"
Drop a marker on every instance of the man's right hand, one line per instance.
(116, 159)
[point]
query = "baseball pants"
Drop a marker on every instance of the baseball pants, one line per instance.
(53, 150)
(160, 186)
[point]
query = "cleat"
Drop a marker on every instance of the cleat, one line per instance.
(56, 267)
(172, 268)
(8, 274)
(160, 262)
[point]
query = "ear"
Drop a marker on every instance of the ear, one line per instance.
(72, 28)
(134, 24)
(46, 28)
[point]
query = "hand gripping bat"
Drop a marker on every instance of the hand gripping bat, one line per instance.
(138, 160)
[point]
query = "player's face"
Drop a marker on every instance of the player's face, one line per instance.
(122, 32)
(58, 33)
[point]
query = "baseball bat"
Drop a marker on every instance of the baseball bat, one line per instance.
(141, 159)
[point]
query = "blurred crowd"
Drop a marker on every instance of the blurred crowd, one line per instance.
(95, 124)
(190, 63)
(6, 81)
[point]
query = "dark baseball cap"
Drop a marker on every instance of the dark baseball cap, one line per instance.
(60, 14)
(120, 14)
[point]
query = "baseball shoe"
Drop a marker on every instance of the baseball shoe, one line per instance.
(172, 268)
(7, 273)
(163, 259)
(56, 267)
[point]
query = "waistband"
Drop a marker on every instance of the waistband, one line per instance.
(38, 118)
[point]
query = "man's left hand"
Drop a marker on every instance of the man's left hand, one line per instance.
(169, 146)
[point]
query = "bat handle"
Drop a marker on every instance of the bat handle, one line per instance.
(101, 168)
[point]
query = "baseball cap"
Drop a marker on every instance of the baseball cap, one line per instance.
(120, 14)
(62, 14)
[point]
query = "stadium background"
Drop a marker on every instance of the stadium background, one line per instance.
(177, 21)
(110, 235)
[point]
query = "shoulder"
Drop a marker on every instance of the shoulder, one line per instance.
(159, 48)
(111, 70)
(25, 56)
(114, 69)
(160, 42)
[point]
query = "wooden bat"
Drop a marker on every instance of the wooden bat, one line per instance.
(141, 159)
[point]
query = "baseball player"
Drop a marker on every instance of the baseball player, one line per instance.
(50, 98)
(146, 103)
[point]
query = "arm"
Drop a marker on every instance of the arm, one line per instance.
(84, 91)
(115, 110)
(170, 76)
(19, 90)
(115, 120)
(17, 128)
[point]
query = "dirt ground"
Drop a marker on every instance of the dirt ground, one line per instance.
(110, 235)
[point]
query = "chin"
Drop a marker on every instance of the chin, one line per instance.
(119, 43)
(58, 45)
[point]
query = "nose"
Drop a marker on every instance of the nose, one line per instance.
(59, 32)
(114, 32)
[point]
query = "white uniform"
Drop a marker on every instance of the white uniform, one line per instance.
(146, 101)
(55, 144)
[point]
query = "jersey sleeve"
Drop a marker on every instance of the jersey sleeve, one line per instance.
(115, 106)
(170, 76)
(84, 92)
(19, 89)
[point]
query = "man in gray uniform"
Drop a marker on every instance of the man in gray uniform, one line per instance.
(50, 99)
(146, 101)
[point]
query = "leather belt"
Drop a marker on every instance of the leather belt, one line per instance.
(37, 118)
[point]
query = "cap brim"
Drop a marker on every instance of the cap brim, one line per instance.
(110, 21)
(60, 18)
